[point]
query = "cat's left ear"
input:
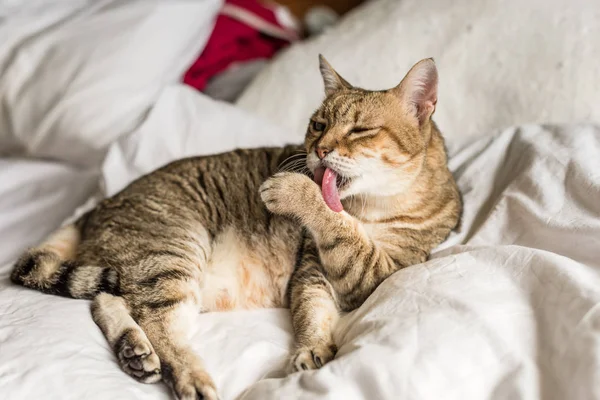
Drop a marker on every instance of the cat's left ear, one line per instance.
(418, 89)
(332, 80)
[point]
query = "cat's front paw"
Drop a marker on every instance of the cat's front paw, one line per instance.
(288, 193)
(314, 357)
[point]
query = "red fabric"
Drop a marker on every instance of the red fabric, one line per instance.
(233, 41)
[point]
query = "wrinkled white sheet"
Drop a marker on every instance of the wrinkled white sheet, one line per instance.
(507, 309)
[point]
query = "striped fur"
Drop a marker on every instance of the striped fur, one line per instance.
(249, 229)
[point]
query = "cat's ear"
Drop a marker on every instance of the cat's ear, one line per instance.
(418, 89)
(332, 80)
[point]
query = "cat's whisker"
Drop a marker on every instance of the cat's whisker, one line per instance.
(292, 157)
(289, 166)
(291, 160)
(295, 168)
(364, 205)
(292, 165)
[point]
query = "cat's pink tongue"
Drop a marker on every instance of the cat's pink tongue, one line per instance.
(330, 190)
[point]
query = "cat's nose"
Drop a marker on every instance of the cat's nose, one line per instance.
(322, 152)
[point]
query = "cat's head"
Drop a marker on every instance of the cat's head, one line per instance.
(374, 141)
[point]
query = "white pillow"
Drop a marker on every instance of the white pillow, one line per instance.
(76, 75)
(501, 62)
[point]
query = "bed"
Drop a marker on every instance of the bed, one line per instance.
(507, 308)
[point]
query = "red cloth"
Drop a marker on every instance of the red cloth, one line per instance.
(245, 30)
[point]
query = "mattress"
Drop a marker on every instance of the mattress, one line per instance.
(506, 308)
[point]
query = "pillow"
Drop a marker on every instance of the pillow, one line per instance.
(501, 62)
(76, 75)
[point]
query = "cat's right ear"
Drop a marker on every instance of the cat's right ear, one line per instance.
(332, 80)
(419, 89)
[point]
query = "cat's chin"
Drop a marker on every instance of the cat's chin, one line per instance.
(357, 186)
(343, 184)
(347, 192)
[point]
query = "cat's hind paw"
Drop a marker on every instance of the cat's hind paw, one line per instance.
(137, 357)
(307, 358)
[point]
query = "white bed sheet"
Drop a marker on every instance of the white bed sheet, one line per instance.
(507, 309)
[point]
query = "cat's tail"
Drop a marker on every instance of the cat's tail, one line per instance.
(51, 268)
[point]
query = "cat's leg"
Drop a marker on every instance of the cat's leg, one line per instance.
(314, 310)
(167, 319)
(134, 351)
(355, 262)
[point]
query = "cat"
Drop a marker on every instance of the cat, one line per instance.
(368, 193)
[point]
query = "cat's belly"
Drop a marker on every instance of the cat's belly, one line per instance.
(243, 274)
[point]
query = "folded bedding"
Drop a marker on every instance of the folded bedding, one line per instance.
(506, 308)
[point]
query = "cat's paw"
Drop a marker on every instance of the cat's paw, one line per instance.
(288, 193)
(307, 358)
(195, 385)
(137, 357)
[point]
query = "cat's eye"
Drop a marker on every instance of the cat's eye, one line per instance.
(318, 126)
(361, 129)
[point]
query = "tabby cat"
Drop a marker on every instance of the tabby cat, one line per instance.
(367, 194)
